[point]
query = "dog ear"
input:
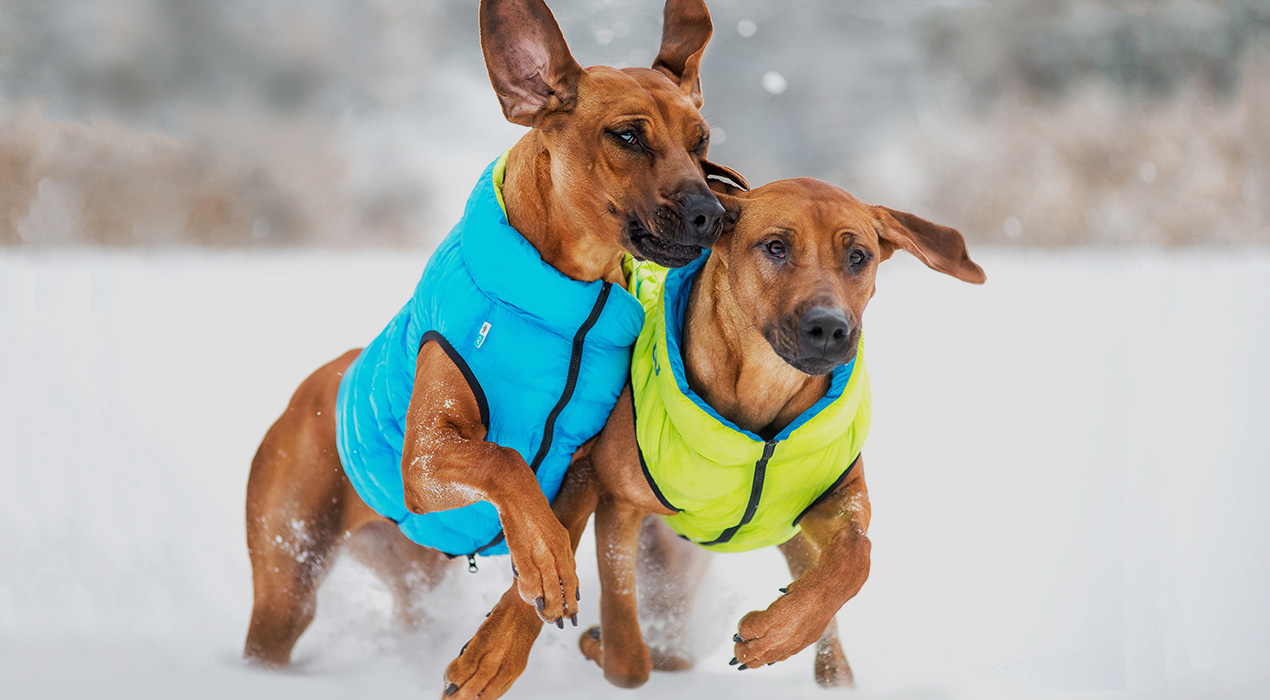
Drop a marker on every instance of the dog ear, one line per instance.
(732, 201)
(730, 188)
(529, 63)
(723, 179)
(942, 248)
(686, 29)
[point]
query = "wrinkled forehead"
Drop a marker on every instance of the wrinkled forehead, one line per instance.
(806, 208)
(638, 92)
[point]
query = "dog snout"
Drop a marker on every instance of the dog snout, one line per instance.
(824, 332)
(702, 215)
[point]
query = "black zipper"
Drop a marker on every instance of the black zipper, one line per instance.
(570, 383)
(756, 493)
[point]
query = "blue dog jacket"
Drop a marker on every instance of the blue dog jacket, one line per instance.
(545, 356)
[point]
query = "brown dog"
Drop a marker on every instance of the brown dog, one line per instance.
(776, 307)
(613, 164)
(774, 310)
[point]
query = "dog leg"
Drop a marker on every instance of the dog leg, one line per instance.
(300, 508)
(447, 463)
(832, 669)
(838, 550)
(618, 645)
(671, 571)
(493, 659)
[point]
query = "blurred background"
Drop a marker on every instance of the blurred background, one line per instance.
(271, 123)
(201, 202)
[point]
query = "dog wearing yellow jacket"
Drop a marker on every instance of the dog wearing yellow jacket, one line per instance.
(743, 426)
(745, 422)
(732, 490)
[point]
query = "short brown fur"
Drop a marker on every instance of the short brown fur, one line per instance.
(738, 358)
(583, 200)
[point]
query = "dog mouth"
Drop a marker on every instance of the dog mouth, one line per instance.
(649, 246)
(814, 366)
(811, 364)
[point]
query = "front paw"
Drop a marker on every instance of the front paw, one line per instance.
(493, 659)
(546, 576)
(765, 637)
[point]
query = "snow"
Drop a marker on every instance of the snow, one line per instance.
(1068, 469)
(774, 83)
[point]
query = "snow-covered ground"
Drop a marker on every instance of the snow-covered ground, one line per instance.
(1069, 469)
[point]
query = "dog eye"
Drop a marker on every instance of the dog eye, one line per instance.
(857, 257)
(629, 137)
(776, 249)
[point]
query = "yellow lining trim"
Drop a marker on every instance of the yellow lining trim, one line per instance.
(500, 172)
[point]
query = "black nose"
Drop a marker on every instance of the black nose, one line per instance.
(824, 331)
(702, 214)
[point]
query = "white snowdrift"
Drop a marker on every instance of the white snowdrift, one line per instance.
(1068, 466)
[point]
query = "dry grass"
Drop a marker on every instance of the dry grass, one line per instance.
(1094, 168)
(67, 183)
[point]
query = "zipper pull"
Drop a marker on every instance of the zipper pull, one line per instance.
(471, 564)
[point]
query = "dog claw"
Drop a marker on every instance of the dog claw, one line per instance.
(574, 619)
(594, 632)
(540, 603)
(784, 591)
(742, 667)
(560, 622)
(737, 638)
(733, 662)
(577, 592)
(451, 689)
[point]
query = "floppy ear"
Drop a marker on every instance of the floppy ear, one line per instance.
(941, 248)
(730, 189)
(685, 31)
(529, 63)
(721, 178)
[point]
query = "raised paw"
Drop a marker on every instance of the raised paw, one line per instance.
(765, 637)
(546, 576)
(493, 659)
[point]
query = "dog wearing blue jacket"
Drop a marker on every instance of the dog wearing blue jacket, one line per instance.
(448, 435)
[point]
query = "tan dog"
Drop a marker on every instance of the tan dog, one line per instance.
(613, 164)
(776, 308)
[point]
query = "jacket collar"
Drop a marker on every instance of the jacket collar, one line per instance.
(507, 268)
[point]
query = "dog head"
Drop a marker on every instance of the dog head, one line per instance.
(802, 259)
(625, 148)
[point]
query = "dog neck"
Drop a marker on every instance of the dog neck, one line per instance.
(731, 365)
(533, 208)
